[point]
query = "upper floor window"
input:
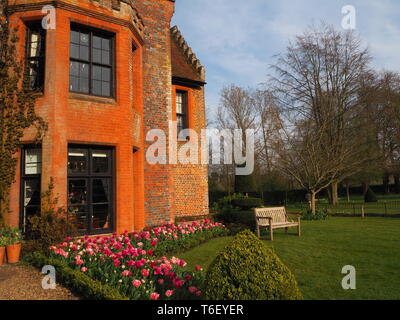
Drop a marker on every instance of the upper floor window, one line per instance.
(35, 55)
(91, 61)
(181, 111)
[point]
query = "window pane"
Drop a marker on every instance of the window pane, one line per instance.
(74, 37)
(84, 70)
(180, 103)
(79, 217)
(96, 87)
(96, 73)
(179, 108)
(106, 74)
(100, 191)
(74, 84)
(96, 42)
(33, 161)
(100, 162)
(105, 57)
(96, 55)
(74, 68)
(84, 85)
(105, 89)
(32, 192)
(77, 161)
(180, 120)
(34, 72)
(35, 36)
(101, 215)
(105, 44)
(84, 53)
(35, 56)
(84, 39)
(34, 49)
(77, 192)
(74, 51)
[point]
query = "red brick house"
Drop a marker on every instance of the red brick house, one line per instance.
(109, 71)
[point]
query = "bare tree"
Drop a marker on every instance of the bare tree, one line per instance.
(387, 119)
(235, 112)
(317, 85)
(269, 122)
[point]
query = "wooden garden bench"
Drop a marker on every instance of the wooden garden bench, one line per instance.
(275, 218)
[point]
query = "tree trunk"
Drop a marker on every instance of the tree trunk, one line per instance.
(397, 184)
(313, 202)
(329, 194)
(365, 186)
(348, 191)
(386, 188)
(333, 194)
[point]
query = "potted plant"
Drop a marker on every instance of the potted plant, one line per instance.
(3, 243)
(14, 243)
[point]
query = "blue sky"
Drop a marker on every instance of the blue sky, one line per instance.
(236, 40)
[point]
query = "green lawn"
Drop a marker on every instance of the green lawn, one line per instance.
(371, 245)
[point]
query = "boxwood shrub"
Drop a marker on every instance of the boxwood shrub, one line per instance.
(247, 203)
(370, 196)
(236, 219)
(75, 280)
(247, 270)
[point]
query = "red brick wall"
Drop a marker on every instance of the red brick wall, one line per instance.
(144, 193)
(74, 118)
(158, 188)
(191, 180)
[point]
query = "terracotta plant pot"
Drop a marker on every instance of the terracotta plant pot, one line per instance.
(13, 253)
(2, 255)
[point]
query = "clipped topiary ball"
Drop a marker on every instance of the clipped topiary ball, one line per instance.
(370, 196)
(247, 270)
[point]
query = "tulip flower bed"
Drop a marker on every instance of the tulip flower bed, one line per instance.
(173, 239)
(136, 265)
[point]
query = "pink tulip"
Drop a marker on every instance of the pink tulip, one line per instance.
(154, 296)
(169, 293)
(126, 273)
(192, 289)
(145, 272)
(136, 283)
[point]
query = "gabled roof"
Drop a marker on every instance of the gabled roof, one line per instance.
(185, 65)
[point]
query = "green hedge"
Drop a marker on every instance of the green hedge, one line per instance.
(238, 218)
(247, 203)
(247, 270)
(77, 281)
(183, 219)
